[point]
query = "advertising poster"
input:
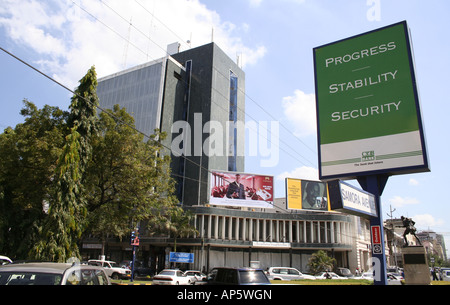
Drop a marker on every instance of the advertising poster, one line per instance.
(368, 112)
(240, 189)
(307, 195)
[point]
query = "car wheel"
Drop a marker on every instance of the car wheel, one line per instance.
(115, 276)
(177, 283)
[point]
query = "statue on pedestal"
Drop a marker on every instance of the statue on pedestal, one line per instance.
(408, 223)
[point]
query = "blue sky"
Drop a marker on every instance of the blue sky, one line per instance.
(274, 40)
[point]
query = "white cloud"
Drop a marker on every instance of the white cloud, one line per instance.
(399, 202)
(304, 172)
(413, 182)
(66, 40)
(255, 3)
(300, 109)
(425, 221)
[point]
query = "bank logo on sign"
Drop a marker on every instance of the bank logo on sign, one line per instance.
(368, 155)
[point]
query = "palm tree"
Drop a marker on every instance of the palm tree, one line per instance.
(320, 262)
(176, 222)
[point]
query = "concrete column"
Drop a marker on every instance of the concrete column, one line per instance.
(230, 227)
(304, 232)
(290, 231)
(338, 232)
(264, 237)
(236, 231)
(257, 229)
(216, 227)
(332, 232)
(244, 226)
(224, 220)
(250, 229)
(270, 230)
(195, 224)
(209, 226)
(318, 232)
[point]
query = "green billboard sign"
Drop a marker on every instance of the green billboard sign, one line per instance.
(368, 113)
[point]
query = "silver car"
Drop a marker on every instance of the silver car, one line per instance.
(52, 274)
(287, 274)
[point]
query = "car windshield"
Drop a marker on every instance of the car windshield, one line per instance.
(167, 272)
(252, 276)
(29, 278)
(114, 265)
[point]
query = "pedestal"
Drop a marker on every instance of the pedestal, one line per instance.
(415, 266)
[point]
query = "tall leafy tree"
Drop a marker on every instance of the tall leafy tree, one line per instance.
(64, 225)
(61, 230)
(83, 114)
(28, 157)
(128, 180)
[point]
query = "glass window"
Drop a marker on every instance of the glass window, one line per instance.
(29, 278)
(252, 276)
(232, 140)
(294, 272)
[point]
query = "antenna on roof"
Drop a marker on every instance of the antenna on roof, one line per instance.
(125, 50)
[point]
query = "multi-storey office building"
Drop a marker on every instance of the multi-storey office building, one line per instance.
(182, 94)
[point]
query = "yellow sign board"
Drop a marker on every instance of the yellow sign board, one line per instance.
(307, 195)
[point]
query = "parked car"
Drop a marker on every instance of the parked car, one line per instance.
(393, 279)
(52, 274)
(365, 276)
(287, 274)
(112, 269)
(196, 276)
(329, 275)
(237, 276)
(446, 275)
(345, 272)
(139, 268)
(171, 277)
(4, 260)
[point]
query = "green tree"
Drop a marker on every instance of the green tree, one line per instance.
(175, 222)
(83, 114)
(28, 158)
(127, 179)
(320, 262)
(65, 174)
(61, 230)
(64, 225)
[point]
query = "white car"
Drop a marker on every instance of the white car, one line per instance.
(329, 275)
(365, 276)
(196, 277)
(393, 279)
(112, 269)
(287, 274)
(52, 274)
(446, 275)
(171, 277)
(4, 260)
